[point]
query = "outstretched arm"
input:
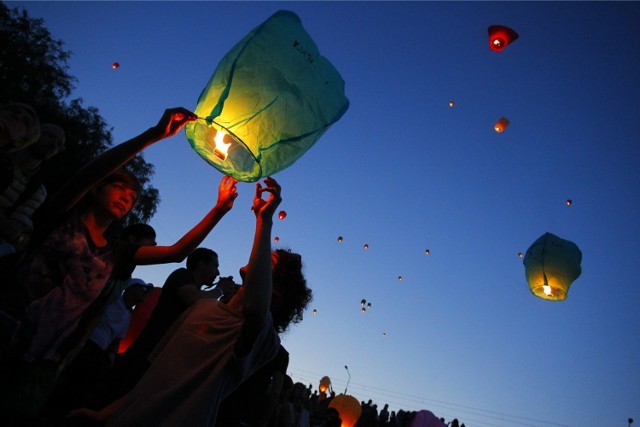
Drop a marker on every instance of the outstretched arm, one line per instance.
(106, 163)
(258, 279)
(227, 193)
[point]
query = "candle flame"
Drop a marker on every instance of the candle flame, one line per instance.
(221, 147)
(547, 290)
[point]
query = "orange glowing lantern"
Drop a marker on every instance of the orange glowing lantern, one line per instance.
(501, 124)
(500, 37)
(348, 407)
(115, 65)
(325, 383)
(427, 252)
(520, 254)
(551, 265)
(364, 310)
(569, 202)
(451, 104)
(282, 214)
(339, 239)
(366, 246)
(315, 311)
(276, 239)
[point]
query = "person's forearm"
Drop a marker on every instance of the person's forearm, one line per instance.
(258, 279)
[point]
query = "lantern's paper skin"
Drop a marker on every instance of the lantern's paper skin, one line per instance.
(274, 94)
(558, 260)
(348, 407)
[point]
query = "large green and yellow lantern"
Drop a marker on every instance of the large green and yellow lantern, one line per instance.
(269, 100)
(551, 265)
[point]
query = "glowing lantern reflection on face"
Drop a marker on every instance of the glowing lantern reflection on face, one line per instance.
(500, 37)
(348, 407)
(282, 214)
(274, 96)
(325, 382)
(551, 265)
(501, 124)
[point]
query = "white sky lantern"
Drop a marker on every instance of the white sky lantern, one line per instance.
(551, 265)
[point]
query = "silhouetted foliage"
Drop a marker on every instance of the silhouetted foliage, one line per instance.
(34, 70)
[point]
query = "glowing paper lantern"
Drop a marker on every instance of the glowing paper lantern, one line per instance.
(399, 278)
(339, 239)
(363, 302)
(501, 124)
(364, 310)
(551, 265)
(451, 104)
(269, 100)
(348, 407)
(569, 202)
(282, 214)
(325, 382)
(520, 254)
(427, 252)
(315, 311)
(500, 37)
(366, 246)
(115, 65)
(276, 239)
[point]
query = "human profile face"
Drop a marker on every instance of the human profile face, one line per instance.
(210, 270)
(116, 198)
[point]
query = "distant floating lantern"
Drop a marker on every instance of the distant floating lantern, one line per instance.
(384, 334)
(363, 302)
(520, 254)
(271, 98)
(500, 37)
(282, 215)
(399, 278)
(315, 311)
(348, 407)
(551, 265)
(115, 65)
(427, 252)
(451, 104)
(569, 202)
(325, 382)
(364, 310)
(368, 305)
(501, 124)
(339, 239)
(276, 239)
(366, 246)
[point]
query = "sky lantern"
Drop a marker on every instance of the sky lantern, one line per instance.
(115, 65)
(315, 311)
(520, 255)
(451, 103)
(399, 278)
(427, 252)
(339, 239)
(363, 302)
(325, 383)
(276, 239)
(282, 214)
(500, 37)
(348, 407)
(551, 265)
(270, 99)
(501, 124)
(569, 202)
(366, 246)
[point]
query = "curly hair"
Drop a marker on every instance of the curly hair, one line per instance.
(291, 285)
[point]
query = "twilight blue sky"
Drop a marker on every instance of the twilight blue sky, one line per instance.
(460, 335)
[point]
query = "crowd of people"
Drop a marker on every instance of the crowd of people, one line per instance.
(68, 293)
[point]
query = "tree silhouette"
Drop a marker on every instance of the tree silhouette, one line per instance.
(34, 70)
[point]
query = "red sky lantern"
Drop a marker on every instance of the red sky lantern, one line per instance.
(115, 65)
(276, 239)
(366, 246)
(501, 124)
(282, 214)
(500, 36)
(569, 202)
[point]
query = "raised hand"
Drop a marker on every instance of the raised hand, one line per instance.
(266, 208)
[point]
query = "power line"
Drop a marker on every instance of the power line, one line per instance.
(409, 402)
